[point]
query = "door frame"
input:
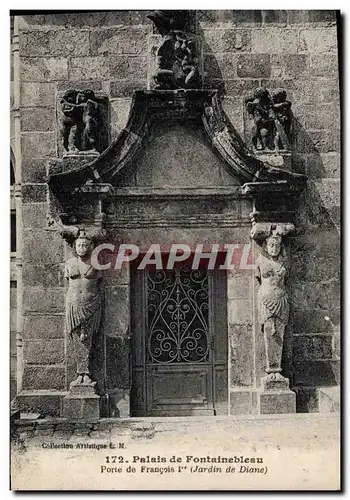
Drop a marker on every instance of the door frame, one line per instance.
(218, 338)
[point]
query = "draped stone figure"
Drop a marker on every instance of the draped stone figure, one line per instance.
(83, 304)
(271, 273)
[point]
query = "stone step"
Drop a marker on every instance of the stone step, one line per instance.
(329, 399)
(317, 399)
(170, 425)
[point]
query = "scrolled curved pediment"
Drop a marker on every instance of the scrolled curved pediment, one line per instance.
(150, 108)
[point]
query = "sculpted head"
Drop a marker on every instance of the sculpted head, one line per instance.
(273, 245)
(83, 245)
(69, 96)
(85, 95)
(261, 93)
(279, 96)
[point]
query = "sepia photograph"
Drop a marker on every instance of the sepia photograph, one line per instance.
(175, 264)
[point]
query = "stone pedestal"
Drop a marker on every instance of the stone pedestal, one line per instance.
(81, 402)
(274, 396)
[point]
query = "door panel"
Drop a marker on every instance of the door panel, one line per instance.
(175, 390)
(173, 335)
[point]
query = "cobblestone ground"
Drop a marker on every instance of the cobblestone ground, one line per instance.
(282, 430)
(300, 452)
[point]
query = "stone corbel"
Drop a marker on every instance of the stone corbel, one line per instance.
(262, 230)
(78, 205)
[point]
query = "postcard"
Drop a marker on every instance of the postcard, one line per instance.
(175, 250)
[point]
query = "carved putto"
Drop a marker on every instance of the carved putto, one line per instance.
(84, 300)
(177, 65)
(79, 122)
(272, 116)
(272, 268)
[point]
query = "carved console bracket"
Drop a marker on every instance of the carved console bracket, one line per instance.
(275, 201)
(262, 230)
(73, 205)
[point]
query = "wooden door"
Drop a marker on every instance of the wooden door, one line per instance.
(179, 331)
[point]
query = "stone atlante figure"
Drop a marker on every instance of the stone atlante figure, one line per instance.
(271, 273)
(84, 304)
(79, 121)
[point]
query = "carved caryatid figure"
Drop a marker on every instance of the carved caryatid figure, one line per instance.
(271, 273)
(83, 304)
(79, 121)
(176, 57)
(272, 116)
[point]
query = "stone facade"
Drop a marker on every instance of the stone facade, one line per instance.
(114, 54)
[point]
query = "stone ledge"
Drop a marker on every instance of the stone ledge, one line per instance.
(329, 399)
(313, 400)
(280, 187)
(147, 422)
(176, 192)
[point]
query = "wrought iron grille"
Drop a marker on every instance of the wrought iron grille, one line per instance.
(178, 312)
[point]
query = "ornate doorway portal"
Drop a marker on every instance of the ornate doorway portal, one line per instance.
(179, 342)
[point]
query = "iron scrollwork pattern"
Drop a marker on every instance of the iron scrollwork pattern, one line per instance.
(178, 316)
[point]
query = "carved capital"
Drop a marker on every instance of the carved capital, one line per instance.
(262, 230)
(96, 235)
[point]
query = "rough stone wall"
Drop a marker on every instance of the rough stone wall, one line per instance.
(297, 51)
(13, 348)
(111, 53)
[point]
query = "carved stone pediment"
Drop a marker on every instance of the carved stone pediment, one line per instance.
(202, 107)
